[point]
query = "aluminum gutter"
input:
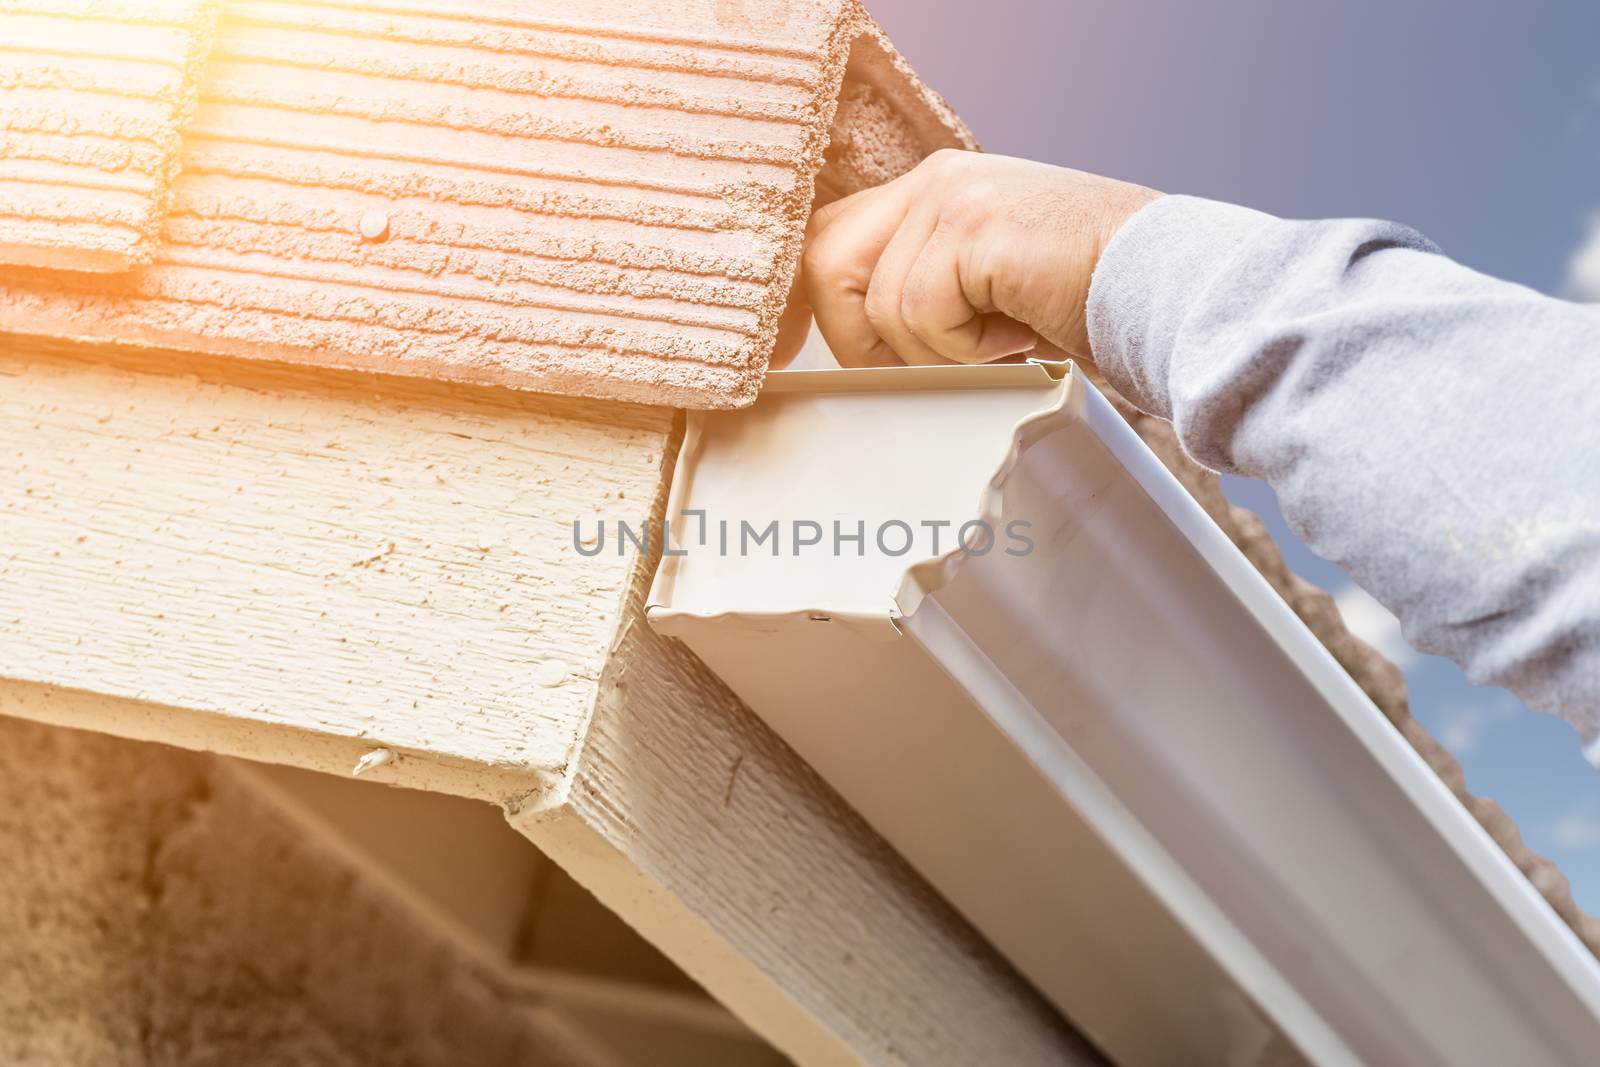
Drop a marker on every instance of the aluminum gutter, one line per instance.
(1121, 755)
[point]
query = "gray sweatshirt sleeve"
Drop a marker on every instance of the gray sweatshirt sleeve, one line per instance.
(1433, 430)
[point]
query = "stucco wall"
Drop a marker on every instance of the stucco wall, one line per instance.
(154, 909)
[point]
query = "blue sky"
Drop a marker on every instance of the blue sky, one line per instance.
(1477, 123)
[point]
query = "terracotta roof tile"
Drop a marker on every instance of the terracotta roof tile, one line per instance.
(95, 94)
(604, 198)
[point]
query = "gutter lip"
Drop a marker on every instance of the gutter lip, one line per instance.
(1032, 373)
(1042, 373)
(675, 622)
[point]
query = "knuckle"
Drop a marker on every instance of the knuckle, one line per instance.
(913, 304)
(824, 262)
(922, 320)
(877, 307)
(949, 160)
(967, 207)
(811, 259)
(917, 304)
(827, 213)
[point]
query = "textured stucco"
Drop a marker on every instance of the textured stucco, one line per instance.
(155, 909)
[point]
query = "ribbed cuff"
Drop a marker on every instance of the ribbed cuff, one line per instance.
(1155, 271)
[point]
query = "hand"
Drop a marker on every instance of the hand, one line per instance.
(967, 258)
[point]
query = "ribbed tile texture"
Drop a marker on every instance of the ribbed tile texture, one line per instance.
(603, 198)
(93, 94)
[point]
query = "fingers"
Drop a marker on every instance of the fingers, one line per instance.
(884, 280)
(823, 216)
(957, 259)
(845, 240)
(884, 305)
(913, 307)
(939, 309)
(794, 325)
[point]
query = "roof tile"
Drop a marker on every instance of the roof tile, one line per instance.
(96, 93)
(604, 199)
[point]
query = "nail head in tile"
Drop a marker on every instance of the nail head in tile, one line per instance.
(374, 225)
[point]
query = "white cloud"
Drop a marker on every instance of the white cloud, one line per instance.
(1579, 828)
(1462, 726)
(1374, 624)
(1583, 270)
(1461, 729)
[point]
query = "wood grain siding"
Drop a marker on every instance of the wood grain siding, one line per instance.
(304, 568)
(95, 94)
(601, 199)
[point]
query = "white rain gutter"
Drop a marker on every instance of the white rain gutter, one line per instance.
(1120, 754)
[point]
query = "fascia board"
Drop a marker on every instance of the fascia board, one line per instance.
(1121, 756)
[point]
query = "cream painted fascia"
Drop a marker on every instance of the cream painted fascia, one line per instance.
(198, 551)
(312, 568)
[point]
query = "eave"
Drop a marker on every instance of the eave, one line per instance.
(198, 553)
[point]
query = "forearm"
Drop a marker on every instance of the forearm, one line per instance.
(1435, 431)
